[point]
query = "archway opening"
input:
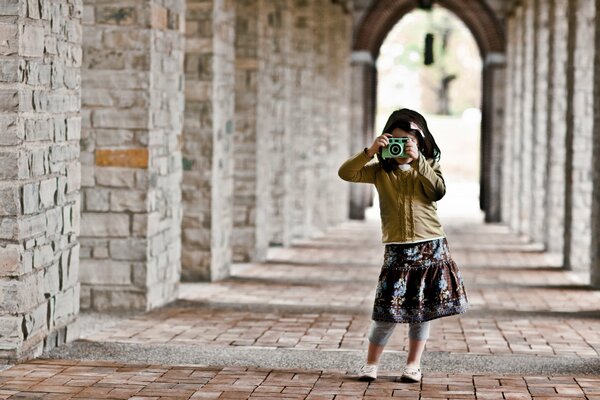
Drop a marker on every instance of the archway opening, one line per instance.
(486, 29)
(447, 92)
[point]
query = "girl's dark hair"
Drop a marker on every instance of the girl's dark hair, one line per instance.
(402, 119)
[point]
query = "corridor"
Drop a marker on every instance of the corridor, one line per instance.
(294, 327)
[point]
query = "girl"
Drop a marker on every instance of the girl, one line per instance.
(419, 281)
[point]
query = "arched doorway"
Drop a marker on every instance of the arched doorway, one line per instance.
(488, 32)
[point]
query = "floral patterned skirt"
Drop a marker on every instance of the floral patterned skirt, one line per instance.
(419, 282)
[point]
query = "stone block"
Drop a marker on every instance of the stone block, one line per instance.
(48, 193)
(11, 334)
(52, 282)
(131, 158)
(104, 272)
(10, 260)
(10, 134)
(10, 202)
(130, 119)
(111, 15)
(116, 177)
(128, 200)
(9, 100)
(158, 16)
(107, 299)
(31, 226)
(43, 256)
(10, 39)
(31, 43)
(97, 199)
(129, 249)
(105, 225)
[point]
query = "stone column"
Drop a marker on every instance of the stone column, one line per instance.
(40, 58)
(208, 139)
(362, 121)
(525, 150)
(299, 121)
(251, 176)
(276, 83)
(508, 170)
(517, 121)
(340, 134)
(541, 116)
(132, 104)
(493, 136)
(595, 247)
(559, 97)
(580, 143)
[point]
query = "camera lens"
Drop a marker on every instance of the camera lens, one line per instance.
(395, 149)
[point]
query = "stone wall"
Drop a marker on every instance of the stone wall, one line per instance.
(541, 115)
(132, 105)
(551, 53)
(595, 225)
(208, 139)
(579, 180)
(558, 98)
(299, 129)
(40, 57)
(251, 173)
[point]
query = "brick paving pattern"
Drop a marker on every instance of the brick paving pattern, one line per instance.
(316, 297)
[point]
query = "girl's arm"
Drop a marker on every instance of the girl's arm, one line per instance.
(355, 170)
(430, 176)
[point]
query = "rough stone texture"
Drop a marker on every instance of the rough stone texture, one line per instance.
(579, 186)
(557, 126)
(40, 57)
(208, 139)
(507, 170)
(595, 228)
(515, 188)
(526, 150)
(251, 175)
(541, 115)
(132, 103)
(302, 136)
(278, 88)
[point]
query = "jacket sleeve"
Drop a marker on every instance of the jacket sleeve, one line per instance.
(355, 170)
(430, 176)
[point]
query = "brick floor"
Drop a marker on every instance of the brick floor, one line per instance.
(51, 379)
(316, 297)
(345, 331)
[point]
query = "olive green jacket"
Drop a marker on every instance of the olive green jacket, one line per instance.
(407, 199)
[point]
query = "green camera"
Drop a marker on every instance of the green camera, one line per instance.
(395, 148)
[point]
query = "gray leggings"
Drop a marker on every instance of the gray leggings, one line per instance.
(381, 331)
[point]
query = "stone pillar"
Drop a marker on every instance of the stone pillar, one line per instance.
(493, 136)
(251, 194)
(525, 132)
(339, 134)
(580, 143)
(541, 117)
(510, 134)
(595, 248)
(516, 151)
(277, 35)
(40, 55)
(208, 139)
(559, 97)
(364, 74)
(299, 122)
(132, 104)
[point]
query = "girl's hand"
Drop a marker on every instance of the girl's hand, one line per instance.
(411, 148)
(379, 142)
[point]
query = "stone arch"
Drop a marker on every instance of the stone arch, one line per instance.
(488, 31)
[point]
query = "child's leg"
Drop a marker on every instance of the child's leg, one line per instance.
(418, 333)
(379, 335)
